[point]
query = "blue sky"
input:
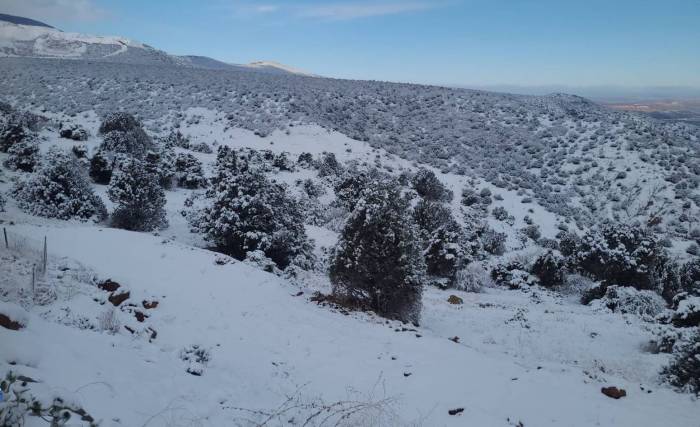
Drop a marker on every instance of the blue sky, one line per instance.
(457, 42)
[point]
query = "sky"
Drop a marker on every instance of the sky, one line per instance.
(471, 43)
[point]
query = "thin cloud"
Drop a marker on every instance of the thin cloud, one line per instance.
(54, 11)
(347, 11)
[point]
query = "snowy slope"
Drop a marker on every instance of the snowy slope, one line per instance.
(532, 357)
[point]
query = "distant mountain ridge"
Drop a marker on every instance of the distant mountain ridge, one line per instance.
(19, 20)
(24, 37)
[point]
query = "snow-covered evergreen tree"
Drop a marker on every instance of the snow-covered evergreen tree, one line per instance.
(123, 134)
(245, 212)
(23, 155)
(60, 189)
(377, 262)
(429, 187)
(189, 172)
(138, 197)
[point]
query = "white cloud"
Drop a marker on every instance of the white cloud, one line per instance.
(53, 11)
(346, 11)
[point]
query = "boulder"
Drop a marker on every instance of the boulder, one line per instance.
(118, 298)
(108, 285)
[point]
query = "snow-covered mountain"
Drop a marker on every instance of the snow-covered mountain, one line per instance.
(24, 37)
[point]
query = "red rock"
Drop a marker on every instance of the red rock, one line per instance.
(148, 305)
(613, 392)
(10, 324)
(119, 298)
(109, 286)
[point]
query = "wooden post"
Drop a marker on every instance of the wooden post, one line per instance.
(45, 255)
(4, 231)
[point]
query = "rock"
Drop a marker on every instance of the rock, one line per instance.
(108, 285)
(10, 324)
(454, 339)
(454, 299)
(148, 305)
(117, 298)
(455, 411)
(613, 392)
(140, 316)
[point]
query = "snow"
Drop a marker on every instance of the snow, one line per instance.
(277, 65)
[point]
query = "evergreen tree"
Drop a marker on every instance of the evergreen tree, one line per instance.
(138, 197)
(377, 263)
(429, 187)
(245, 212)
(189, 172)
(123, 134)
(59, 189)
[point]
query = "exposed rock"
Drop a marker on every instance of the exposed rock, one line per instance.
(140, 316)
(455, 411)
(613, 392)
(8, 323)
(118, 298)
(109, 285)
(454, 299)
(454, 339)
(149, 305)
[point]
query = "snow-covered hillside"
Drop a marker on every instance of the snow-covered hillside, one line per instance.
(203, 339)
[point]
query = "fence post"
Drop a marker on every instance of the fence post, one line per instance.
(4, 231)
(45, 256)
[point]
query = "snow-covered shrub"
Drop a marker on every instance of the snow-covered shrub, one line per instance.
(470, 197)
(550, 269)
(245, 212)
(512, 274)
(377, 262)
(429, 187)
(617, 253)
(138, 197)
(689, 277)
(500, 213)
(282, 162)
(101, 168)
(684, 371)
(329, 166)
(74, 132)
(122, 133)
(472, 278)
(201, 147)
(305, 160)
(444, 252)
(312, 188)
(2, 203)
(189, 172)
(687, 311)
(80, 151)
(20, 403)
(59, 189)
(493, 242)
(531, 231)
(23, 155)
(109, 322)
(626, 300)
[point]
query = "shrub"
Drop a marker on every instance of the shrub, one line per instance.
(189, 172)
(470, 197)
(328, 165)
(513, 275)
(138, 197)
(23, 156)
(201, 147)
(619, 299)
(162, 164)
(493, 242)
(377, 262)
(500, 213)
(74, 132)
(2, 203)
(472, 278)
(687, 313)
(245, 212)
(429, 187)
(549, 268)
(684, 371)
(101, 168)
(532, 231)
(60, 190)
(349, 188)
